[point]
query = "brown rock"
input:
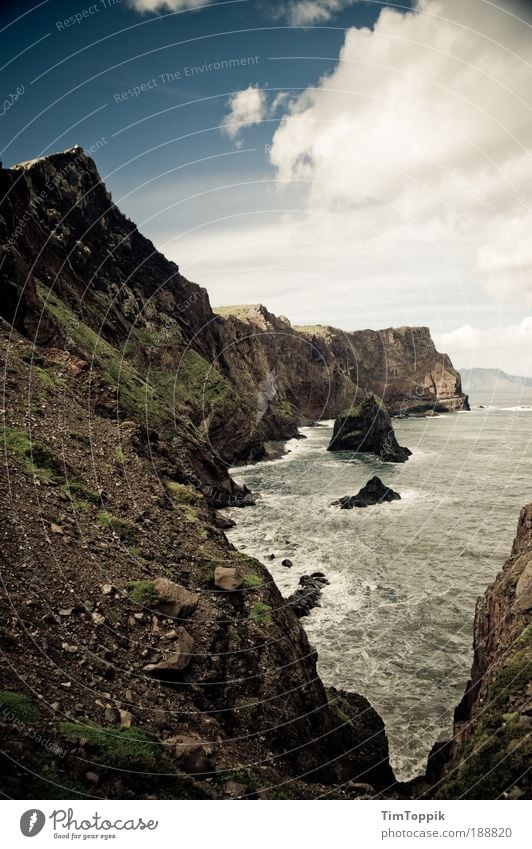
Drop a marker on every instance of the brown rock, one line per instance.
(174, 600)
(227, 578)
(176, 661)
(126, 718)
(235, 790)
(193, 755)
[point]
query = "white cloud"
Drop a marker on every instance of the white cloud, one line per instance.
(424, 127)
(246, 108)
(301, 13)
(165, 5)
(507, 347)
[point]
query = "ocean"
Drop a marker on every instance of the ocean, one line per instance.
(395, 623)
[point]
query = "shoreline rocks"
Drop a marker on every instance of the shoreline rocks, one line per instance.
(374, 492)
(308, 595)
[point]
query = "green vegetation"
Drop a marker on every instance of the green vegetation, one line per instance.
(120, 457)
(36, 459)
(198, 380)
(142, 592)
(338, 707)
(260, 613)
(191, 514)
(513, 678)
(31, 355)
(252, 581)
(17, 706)
(79, 492)
(40, 462)
(123, 528)
(182, 493)
(125, 748)
(359, 409)
(494, 758)
(50, 379)
(133, 393)
(525, 638)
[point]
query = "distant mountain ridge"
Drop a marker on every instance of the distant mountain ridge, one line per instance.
(492, 378)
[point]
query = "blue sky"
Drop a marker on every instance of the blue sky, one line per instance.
(379, 176)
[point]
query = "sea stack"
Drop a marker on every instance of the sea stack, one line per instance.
(367, 428)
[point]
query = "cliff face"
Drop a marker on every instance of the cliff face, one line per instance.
(401, 365)
(76, 271)
(492, 744)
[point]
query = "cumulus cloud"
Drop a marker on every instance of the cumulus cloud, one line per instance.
(301, 13)
(507, 347)
(246, 108)
(165, 5)
(424, 127)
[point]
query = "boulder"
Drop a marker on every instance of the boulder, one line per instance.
(176, 661)
(174, 600)
(367, 428)
(286, 562)
(374, 492)
(223, 522)
(193, 755)
(228, 578)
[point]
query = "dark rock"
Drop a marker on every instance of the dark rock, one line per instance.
(354, 713)
(223, 522)
(286, 562)
(374, 492)
(308, 595)
(367, 428)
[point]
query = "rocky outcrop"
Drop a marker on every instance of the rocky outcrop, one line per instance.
(367, 428)
(374, 492)
(399, 364)
(308, 594)
(492, 743)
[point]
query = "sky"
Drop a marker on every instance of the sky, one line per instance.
(358, 164)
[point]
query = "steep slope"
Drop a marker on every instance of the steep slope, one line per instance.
(492, 745)
(213, 693)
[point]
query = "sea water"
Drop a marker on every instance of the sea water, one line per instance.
(395, 623)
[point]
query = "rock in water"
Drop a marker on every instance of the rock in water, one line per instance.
(367, 427)
(308, 594)
(374, 492)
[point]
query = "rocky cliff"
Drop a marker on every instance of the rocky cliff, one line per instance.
(125, 398)
(401, 365)
(76, 271)
(492, 744)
